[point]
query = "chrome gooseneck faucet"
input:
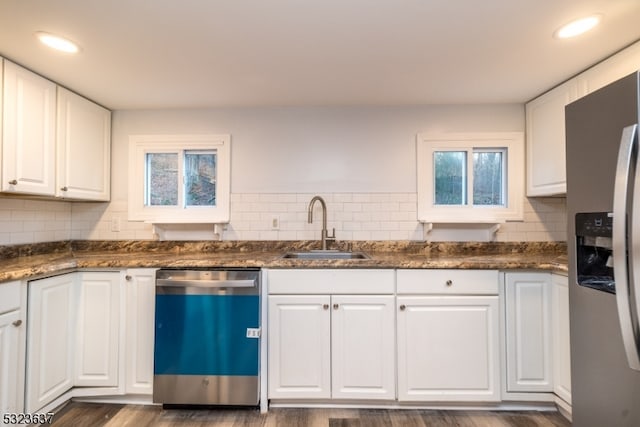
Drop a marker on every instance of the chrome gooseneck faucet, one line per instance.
(325, 233)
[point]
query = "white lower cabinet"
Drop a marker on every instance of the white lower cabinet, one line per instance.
(140, 305)
(560, 332)
(448, 344)
(97, 329)
(448, 348)
(362, 351)
(74, 322)
(9, 351)
(299, 346)
(338, 347)
(331, 346)
(12, 336)
(50, 340)
(528, 332)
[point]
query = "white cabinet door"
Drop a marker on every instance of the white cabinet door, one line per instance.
(97, 329)
(546, 169)
(362, 350)
(140, 300)
(83, 148)
(50, 356)
(28, 133)
(611, 69)
(528, 330)
(10, 389)
(299, 346)
(448, 348)
(561, 344)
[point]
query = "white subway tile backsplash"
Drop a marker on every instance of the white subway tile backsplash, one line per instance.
(352, 207)
(343, 197)
(33, 226)
(34, 221)
(22, 238)
(355, 216)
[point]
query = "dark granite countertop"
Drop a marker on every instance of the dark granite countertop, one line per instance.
(27, 261)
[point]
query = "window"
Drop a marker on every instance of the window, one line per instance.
(470, 177)
(179, 178)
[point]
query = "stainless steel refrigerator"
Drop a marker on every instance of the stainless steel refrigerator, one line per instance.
(603, 208)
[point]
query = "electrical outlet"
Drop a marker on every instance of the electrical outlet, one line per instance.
(275, 223)
(115, 224)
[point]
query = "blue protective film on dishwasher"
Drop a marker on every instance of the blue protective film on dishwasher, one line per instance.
(206, 335)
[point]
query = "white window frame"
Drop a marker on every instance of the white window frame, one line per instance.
(141, 145)
(513, 145)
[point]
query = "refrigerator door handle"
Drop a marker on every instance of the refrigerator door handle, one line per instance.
(623, 269)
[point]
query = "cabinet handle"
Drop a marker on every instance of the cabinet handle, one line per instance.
(13, 182)
(449, 283)
(17, 323)
(403, 307)
(335, 306)
(127, 278)
(64, 188)
(325, 306)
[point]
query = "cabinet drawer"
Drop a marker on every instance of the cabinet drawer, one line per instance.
(331, 281)
(9, 296)
(448, 282)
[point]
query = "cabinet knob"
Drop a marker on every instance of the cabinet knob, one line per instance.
(325, 306)
(127, 278)
(13, 182)
(64, 188)
(336, 306)
(403, 307)
(17, 323)
(449, 283)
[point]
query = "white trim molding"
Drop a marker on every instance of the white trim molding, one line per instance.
(140, 145)
(511, 143)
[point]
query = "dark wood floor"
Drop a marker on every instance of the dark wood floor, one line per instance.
(96, 415)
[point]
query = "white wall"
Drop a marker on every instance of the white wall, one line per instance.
(361, 159)
(318, 150)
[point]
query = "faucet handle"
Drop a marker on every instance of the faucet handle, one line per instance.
(333, 234)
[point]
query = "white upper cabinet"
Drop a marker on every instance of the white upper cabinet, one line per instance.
(83, 148)
(546, 168)
(54, 143)
(28, 134)
(546, 145)
(614, 68)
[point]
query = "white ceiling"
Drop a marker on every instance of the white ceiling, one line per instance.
(209, 53)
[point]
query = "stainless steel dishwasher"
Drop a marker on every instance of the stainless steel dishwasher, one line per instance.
(207, 337)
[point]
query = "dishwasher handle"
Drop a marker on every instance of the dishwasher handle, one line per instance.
(200, 283)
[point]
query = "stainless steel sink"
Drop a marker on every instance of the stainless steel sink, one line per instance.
(328, 254)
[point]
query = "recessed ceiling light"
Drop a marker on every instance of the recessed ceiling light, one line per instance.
(57, 42)
(577, 27)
